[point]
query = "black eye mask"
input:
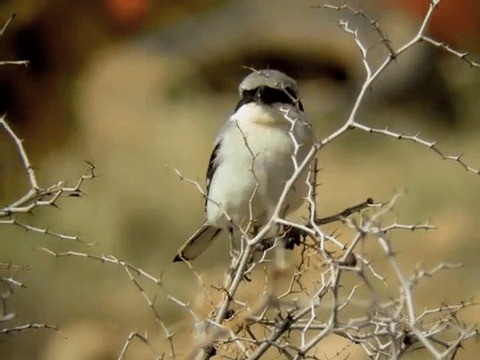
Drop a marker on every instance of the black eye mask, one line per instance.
(268, 95)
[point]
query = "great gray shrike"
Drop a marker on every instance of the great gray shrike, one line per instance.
(254, 155)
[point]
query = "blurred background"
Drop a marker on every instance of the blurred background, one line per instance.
(141, 87)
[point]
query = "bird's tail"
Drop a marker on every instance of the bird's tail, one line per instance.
(197, 243)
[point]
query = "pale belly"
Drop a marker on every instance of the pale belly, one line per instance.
(255, 165)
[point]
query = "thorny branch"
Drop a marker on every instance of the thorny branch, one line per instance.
(333, 289)
(144, 339)
(21, 328)
(388, 328)
(130, 271)
(11, 62)
(37, 196)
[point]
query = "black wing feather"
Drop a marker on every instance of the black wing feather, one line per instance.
(212, 166)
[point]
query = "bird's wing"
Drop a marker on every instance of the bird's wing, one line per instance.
(212, 166)
(215, 156)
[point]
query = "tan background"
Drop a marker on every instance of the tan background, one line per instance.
(144, 90)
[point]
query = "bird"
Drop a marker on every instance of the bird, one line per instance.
(255, 153)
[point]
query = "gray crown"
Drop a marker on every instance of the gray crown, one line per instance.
(267, 77)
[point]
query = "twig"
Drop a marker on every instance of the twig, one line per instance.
(15, 62)
(345, 213)
(144, 339)
(106, 259)
(7, 23)
(23, 154)
(21, 328)
(37, 196)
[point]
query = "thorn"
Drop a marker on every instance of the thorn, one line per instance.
(55, 206)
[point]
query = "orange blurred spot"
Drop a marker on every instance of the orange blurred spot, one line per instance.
(127, 12)
(453, 21)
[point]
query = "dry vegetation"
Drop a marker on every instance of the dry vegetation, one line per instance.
(347, 286)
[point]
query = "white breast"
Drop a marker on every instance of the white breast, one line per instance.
(254, 162)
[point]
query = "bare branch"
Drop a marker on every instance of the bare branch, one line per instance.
(32, 326)
(23, 154)
(144, 339)
(462, 55)
(417, 139)
(38, 196)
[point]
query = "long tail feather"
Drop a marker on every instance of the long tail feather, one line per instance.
(197, 243)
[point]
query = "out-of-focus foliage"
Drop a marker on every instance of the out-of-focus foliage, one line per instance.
(140, 98)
